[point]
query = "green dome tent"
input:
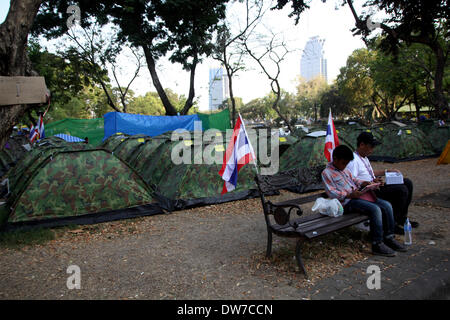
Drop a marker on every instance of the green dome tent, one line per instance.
(307, 152)
(349, 134)
(13, 151)
(401, 144)
(189, 185)
(185, 184)
(60, 183)
(438, 137)
(255, 136)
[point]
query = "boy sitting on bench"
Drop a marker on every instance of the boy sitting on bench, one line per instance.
(340, 184)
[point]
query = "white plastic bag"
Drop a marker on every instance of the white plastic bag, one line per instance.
(329, 207)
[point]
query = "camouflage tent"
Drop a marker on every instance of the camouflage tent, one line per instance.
(300, 132)
(13, 151)
(401, 144)
(263, 148)
(438, 137)
(307, 152)
(349, 134)
(60, 183)
(189, 180)
(189, 185)
(426, 125)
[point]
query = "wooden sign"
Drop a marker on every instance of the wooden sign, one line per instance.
(22, 90)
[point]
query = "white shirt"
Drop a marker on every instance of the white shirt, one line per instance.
(360, 168)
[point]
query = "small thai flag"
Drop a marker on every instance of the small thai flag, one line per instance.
(37, 132)
(239, 152)
(41, 127)
(331, 140)
(34, 134)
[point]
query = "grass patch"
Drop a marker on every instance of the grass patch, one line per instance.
(16, 239)
(19, 238)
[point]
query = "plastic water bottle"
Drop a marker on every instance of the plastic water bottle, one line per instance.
(408, 230)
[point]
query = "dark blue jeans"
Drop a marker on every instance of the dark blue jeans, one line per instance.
(399, 196)
(380, 214)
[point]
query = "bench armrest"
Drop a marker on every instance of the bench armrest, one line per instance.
(280, 214)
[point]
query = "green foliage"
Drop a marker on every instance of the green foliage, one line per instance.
(181, 29)
(334, 100)
(309, 94)
(405, 23)
(62, 77)
(355, 82)
(18, 239)
(149, 104)
(227, 104)
(259, 109)
(371, 79)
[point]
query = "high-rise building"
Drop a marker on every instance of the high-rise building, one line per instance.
(313, 62)
(218, 88)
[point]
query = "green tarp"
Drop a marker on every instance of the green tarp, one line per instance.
(81, 128)
(219, 120)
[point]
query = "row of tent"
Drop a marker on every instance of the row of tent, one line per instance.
(400, 142)
(58, 182)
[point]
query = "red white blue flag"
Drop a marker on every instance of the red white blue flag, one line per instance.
(37, 132)
(331, 140)
(239, 152)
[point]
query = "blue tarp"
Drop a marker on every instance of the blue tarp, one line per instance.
(69, 138)
(149, 125)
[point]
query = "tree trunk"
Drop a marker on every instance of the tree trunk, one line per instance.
(277, 92)
(170, 110)
(190, 99)
(416, 103)
(14, 60)
(315, 112)
(439, 98)
(233, 102)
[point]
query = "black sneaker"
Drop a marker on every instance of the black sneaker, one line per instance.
(381, 249)
(414, 224)
(399, 230)
(395, 245)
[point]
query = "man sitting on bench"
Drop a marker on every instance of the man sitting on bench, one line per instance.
(398, 195)
(340, 184)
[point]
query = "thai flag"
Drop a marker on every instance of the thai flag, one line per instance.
(34, 134)
(239, 152)
(40, 127)
(331, 140)
(37, 132)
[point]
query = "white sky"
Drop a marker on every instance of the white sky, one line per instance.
(322, 20)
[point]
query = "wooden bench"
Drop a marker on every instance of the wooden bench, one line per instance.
(303, 227)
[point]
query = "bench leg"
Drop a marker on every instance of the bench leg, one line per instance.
(269, 244)
(299, 258)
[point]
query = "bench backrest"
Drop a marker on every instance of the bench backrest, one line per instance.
(298, 180)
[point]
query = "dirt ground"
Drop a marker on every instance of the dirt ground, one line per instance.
(212, 252)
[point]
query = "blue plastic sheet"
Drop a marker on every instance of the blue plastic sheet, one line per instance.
(149, 125)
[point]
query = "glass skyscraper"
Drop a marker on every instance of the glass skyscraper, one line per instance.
(218, 88)
(313, 62)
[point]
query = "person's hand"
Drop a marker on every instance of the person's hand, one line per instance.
(365, 183)
(379, 180)
(355, 194)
